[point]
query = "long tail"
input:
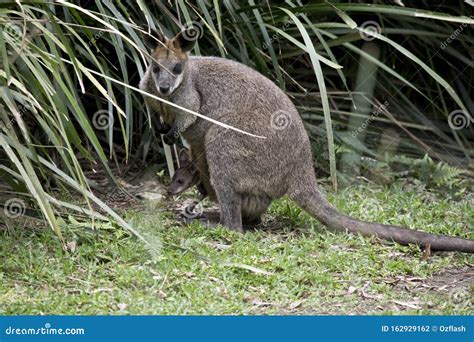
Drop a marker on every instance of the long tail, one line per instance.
(314, 202)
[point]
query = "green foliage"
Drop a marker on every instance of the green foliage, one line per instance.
(428, 171)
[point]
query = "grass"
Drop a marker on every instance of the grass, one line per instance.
(310, 270)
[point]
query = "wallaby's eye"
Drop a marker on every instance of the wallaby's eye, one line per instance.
(156, 69)
(180, 181)
(178, 69)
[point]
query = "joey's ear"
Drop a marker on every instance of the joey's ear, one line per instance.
(152, 37)
(183, 157)
(186, 39)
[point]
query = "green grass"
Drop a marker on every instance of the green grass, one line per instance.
(312, 271)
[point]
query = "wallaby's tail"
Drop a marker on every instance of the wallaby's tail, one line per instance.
(314, 202)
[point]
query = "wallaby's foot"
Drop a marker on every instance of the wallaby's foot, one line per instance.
(236, 228)
(188, 216)
(201, 219)
(208, 219)
(229, 205)
(193, 210)
(252, 222)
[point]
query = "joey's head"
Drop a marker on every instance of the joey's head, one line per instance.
(185, 176)
(169, 62)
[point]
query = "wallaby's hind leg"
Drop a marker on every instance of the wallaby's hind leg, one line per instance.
(230, 207)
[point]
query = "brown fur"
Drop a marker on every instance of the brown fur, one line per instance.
(169, 47)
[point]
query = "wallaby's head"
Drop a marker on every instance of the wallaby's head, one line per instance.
(185, 176)
(169, 59)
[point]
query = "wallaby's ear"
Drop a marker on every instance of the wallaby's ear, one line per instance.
(186, 39)
(183, 157)
(152, 37)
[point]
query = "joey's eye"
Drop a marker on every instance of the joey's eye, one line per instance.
(178, 68)
(180, 181)
(156, 69)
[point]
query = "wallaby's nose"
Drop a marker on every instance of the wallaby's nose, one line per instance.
(164, 90)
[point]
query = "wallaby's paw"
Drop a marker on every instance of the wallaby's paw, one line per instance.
(203, 219)
(163, 128)
(171, 137)
(193, 211)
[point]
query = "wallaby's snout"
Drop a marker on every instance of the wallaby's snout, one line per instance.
(168, 75)
(182, 180)
(163, 87)
(176, 186)
(164, 90)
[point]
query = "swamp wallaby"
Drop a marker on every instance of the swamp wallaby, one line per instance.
(244, 174)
